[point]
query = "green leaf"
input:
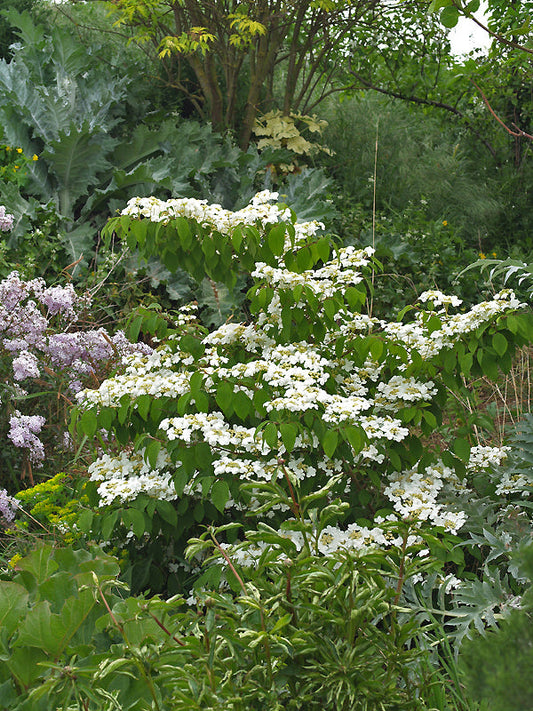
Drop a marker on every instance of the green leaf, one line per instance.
(376, 348)
(288, 433)
(276, 239)
(39, 563)
(473, 6)
(489, 365)
(108, 524)
(438, 4)
(449, 16)
(270, 435)
(242, 404)
(355, 437)
(329, 442)
(106, 417)
(134, 519)
(499, 343)
(152, 452)
(192, 345)
(184, 231)
(323, 248)
(85, 521)
(236, 238)
(220, 494)
(203, 456)
(224, 397)
(201, 400)
(88, 423)
(430, 418)
(461, 447)
(42, 629)
(13, 605)
(259, 399)
(167, 511)
(330, 308)
(143, 405)
(196, 381)
(180, 479)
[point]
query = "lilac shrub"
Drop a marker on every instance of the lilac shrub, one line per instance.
(42, 343)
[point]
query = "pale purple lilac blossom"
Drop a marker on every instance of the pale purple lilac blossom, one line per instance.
(60, 299)
(8, 506)
(26, 334)
(25, 365)
(23, 433)
(6, 219)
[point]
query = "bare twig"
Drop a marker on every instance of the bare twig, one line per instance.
(517, 133)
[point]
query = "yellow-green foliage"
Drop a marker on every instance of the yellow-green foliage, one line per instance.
(54, 504)
(281, 131)
(197, 38)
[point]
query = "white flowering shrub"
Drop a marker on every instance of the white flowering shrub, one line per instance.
(313, 416)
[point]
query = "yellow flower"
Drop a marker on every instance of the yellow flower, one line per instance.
(35, 157)
(19, 150)
(494, 254)
(13, 562)
(8, 148)
(16, 167)
(445, 223)
(482, 256)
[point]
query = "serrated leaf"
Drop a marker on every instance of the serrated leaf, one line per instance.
(152, 451)
(288, 433)
(461, 447)
(270, 435)
(220, 494)
(143, 405)
(329, 442)
(276, 239)
(167, 511)
(224, 397)
(13, 605)
(242, 404)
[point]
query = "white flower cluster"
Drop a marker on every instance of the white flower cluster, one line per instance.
(416, 336)
(437, 298)
(355, 539)
(414, 496)
(482, 457)
(126, 476)
(399, 389)
(515, 482)
(335, 275)
(259, 211)
(152, 374)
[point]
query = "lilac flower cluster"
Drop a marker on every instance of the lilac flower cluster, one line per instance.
(23, 431)
(8, 506)
(6, 220)
(37, 331)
